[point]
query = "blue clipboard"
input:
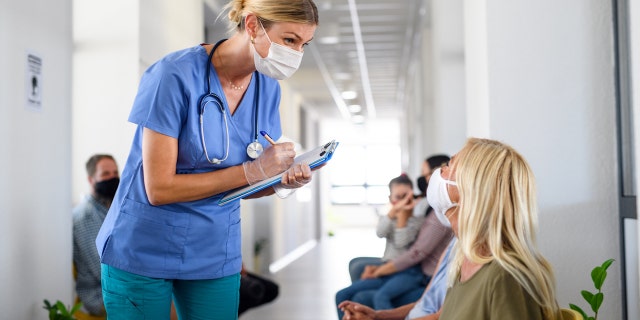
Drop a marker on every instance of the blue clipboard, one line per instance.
(314, 158)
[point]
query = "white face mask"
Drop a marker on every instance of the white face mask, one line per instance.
(281, 62)
(438, 196)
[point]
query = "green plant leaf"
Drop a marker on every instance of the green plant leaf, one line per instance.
(576, 308)
(606, 264)
(75, 308)
(588, 296)
(61, 307)
(599, 274)
(597, 301)
(597, 277)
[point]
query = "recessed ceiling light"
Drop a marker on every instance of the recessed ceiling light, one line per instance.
(342, 76)
(357, 119)
(348, 95)
(329, 40)
(355, 108)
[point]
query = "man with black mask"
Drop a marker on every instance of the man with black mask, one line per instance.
(103, 177)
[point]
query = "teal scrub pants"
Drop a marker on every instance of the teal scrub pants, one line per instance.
(128, 296)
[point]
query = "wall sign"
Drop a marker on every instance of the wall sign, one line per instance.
(33, 81)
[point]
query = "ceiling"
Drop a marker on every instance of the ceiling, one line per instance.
(363, 46)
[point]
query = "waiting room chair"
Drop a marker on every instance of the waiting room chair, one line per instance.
(80, 315)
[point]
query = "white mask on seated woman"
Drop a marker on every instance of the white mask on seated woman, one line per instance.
(438, 196)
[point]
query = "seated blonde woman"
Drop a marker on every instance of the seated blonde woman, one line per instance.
(497, 271)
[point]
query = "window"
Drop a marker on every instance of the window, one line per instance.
(364, 162)
(362, 174)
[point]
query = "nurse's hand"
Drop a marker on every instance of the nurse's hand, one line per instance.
(297, 176)
(275, 159)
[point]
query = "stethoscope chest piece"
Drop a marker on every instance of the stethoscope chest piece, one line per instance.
(254, 149)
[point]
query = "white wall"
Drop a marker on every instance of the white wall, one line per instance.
(106, 59)
(293, 222)
(633, 280)
(475, 43)
(285, 224)
(109, 59)
(448, 73)
(437, 93)
(35, 184)
(166, 26)
(549, 83)
(418, 105)
(435, 99)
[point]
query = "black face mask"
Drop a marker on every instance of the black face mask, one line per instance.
(107, 188)
(422, 185)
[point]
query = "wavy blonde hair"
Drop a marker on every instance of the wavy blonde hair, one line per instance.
(497, 218)
(269, 11)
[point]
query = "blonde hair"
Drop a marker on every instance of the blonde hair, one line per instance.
(269, 11)
(497, 218)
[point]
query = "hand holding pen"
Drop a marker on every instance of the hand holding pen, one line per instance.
(284, 150)
(274, 160)
(297, 175)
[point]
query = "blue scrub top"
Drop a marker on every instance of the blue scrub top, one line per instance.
(186, 240)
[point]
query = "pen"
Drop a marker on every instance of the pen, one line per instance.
(266, 136)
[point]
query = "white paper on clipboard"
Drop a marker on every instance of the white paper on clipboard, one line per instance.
(314, 158)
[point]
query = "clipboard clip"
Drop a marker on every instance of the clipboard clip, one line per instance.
(329, 148)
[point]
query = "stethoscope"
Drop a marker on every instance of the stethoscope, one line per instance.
(254, 149)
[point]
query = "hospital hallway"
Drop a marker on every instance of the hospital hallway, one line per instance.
(308, 284)
(394, 82)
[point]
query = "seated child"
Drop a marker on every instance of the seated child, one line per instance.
(381, 285)
(399, 226)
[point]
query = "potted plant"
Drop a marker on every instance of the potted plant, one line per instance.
(58, 311)
(598, 275)
(258, 248)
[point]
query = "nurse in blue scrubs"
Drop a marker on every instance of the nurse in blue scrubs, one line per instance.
(198, 112)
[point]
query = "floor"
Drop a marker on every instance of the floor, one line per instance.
(308, 285)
